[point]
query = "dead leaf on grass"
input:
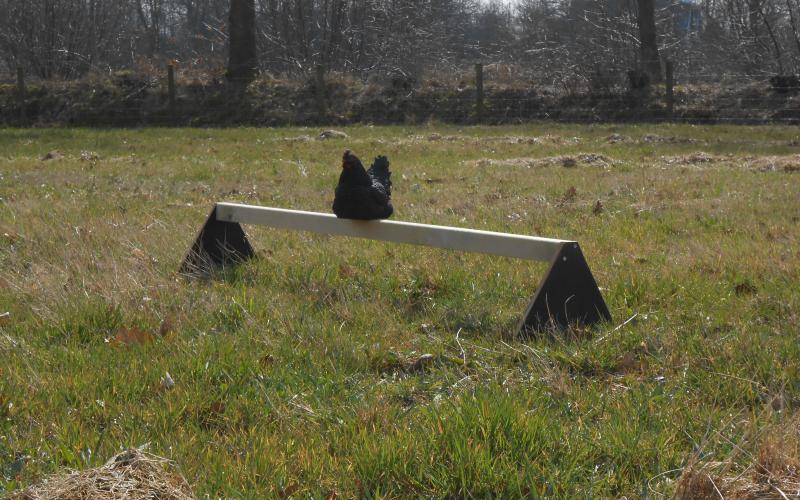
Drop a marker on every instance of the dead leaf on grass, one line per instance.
(167, 326)
(11, 236)
(132, 336)
(217, 408)
(568, 196)
(745, 288)
(213, 414)
(345, 271)
(631, 362)
(266, 360)
(421, 363)
(289, 490)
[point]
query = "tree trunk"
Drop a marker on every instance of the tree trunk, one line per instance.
(242, 56)
(651, 63)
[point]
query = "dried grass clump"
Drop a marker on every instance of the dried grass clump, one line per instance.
(787, 164)
(436, 137)
(619, 139)
(131, 474)
(654, 138)
(698, 483)
(696, 159)
(542, 139)
(772, 475)
(579, 160)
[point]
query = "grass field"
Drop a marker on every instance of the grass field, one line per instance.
(296, 374)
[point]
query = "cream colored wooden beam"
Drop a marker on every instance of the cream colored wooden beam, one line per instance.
(455, 238)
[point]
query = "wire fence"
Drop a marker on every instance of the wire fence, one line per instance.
(480, 94)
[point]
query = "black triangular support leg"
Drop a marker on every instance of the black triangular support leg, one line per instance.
(219, 243)
(568, 295)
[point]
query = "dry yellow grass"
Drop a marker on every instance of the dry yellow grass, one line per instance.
(130, 474)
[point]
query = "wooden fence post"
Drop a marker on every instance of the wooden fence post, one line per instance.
(479, 92)
(171, 86)
(319, 84)
(21, 93)
(670, 82)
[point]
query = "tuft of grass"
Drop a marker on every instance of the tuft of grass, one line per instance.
(357, 368)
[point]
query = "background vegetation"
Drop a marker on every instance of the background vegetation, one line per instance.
(128, 99)
(98, 62)
(575, 40)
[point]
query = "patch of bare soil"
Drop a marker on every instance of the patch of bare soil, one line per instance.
(131, 474)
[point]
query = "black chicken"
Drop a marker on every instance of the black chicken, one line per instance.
(363, 194)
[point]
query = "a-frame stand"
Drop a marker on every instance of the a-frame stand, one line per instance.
(219, 243)
(568, 295)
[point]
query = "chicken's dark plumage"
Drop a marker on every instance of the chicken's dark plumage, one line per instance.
(363, 194)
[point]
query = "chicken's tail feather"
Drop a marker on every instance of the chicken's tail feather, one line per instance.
(380, 172)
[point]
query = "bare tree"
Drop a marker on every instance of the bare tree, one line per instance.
(584, 41)
(63, 39)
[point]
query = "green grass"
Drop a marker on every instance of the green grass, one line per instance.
(292, 371)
